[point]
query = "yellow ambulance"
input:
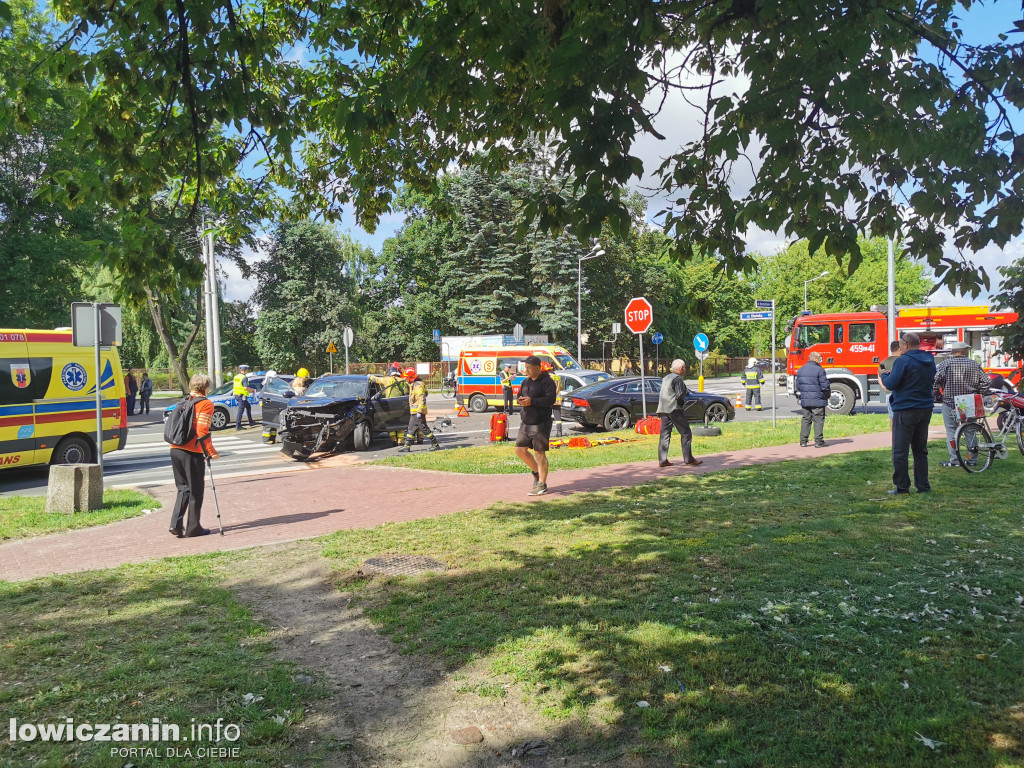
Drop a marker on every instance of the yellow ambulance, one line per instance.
(48, 400)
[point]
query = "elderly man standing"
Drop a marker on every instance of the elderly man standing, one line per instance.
(957, 375)
(910, 382)
(814, 389)
(670, 407)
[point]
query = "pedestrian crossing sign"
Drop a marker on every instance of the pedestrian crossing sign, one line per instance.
(331, 349)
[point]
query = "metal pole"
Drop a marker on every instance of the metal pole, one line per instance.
(775, 379)
(579, 310)
(99, 390)
(207, 305)
(331, 356)
(657, 359)
(643, 393)
(215, 307)
(892, 292)
(346, 360)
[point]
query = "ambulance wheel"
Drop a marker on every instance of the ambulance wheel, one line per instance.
(220, 418)
(478, 403)
(72, 450)
(362, 437)
(706, 431)
(841, 402)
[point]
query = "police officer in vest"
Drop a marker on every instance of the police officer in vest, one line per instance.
(753, 379)
(508, 378)
(240, 389)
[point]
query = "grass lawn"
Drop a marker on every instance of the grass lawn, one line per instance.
(140, 642)
(24, 516)
(779, 615)
(499, 458)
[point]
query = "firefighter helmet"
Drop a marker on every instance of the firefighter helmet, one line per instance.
(302, 373)
(410, 374)
(546, 366)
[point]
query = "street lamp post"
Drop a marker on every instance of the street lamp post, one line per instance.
(594, 252)
(811, 281)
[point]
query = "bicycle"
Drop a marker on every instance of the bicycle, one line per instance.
(448, 385)
(975, 444)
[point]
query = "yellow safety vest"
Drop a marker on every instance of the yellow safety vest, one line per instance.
(418, 398)
(238, 387)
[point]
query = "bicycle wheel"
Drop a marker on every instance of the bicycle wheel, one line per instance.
(447, 391)
(1020, 434)
(968, 437)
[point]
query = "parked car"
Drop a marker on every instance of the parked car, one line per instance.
(225, 404)
(616, 404)
(337, 412)
(571, 381)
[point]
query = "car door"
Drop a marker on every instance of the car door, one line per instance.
(652, 393)
(395, 410)
(273, 400)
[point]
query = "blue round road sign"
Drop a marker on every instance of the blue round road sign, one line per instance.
(700, 342)
(657, 338)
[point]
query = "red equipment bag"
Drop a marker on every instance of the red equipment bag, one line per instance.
(499, 427)
(649, 426)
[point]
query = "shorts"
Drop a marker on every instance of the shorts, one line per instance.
(534, 436)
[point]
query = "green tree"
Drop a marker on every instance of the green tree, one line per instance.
(1011, 297)
(843, 102)
(306, 293)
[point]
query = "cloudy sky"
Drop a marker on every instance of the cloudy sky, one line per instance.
(679, 122)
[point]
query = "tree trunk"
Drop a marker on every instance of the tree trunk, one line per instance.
(155, 302)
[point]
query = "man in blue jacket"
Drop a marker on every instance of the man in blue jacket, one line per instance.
(910, 382)
(814, 389)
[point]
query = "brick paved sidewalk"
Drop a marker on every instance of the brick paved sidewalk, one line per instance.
(272, 509)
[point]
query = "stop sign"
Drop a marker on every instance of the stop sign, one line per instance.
(639, 315)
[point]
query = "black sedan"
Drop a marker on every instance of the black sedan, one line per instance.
(615, 404)
(336, 412)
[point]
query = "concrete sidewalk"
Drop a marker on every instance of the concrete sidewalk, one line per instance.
(272, 509)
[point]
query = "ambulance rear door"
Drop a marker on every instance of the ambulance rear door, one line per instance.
(17, 390)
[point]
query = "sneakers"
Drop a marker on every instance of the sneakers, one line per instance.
(821, 445)
(950, 464)
(539, 489)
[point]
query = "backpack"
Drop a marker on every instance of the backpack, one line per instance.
(499, 428)
(180, 428)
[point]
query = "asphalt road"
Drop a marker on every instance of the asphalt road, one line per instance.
(145, 460)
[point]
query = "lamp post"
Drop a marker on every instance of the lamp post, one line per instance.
(593, 253)
(811, 281)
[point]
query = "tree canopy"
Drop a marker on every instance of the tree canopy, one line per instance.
(847, 118)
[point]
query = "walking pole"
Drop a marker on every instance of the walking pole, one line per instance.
(213, 485)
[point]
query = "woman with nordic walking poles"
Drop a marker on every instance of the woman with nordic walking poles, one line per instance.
(188, 431)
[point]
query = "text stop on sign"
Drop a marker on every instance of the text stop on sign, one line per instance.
(639, 315)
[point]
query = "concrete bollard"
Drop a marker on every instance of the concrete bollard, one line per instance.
(74, 488)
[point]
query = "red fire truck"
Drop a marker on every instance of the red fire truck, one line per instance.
(851, 345)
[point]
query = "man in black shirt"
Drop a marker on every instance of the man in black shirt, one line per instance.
(536, 397)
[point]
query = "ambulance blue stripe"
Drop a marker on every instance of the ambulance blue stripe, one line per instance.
(82, 405)
(15, 410)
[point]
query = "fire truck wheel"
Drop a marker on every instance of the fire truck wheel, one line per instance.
(842, 400)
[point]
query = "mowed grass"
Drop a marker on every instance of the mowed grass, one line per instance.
(500, 458)
(24, 516)
(139, 642)
(778, 615)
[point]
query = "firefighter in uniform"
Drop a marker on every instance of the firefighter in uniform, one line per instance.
(417, 412)
(240, 389)
(753, 379)
(301, 381)
(508, 376)
(388, 384)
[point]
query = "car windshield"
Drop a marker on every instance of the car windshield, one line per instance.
(223, 389)
(337, 389)
(596, 377)
(568, 363)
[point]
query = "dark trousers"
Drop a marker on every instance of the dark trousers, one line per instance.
(418, 423)
(130, 402)
(144, 403)
(910, 435)
(190, 480)
(679, 421)
(815, 415)
(754, 396)
(243, 405)
(509, 400)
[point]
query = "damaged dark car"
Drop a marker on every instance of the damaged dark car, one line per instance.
(338, 413)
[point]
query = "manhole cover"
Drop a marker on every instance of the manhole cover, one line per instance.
(401, 565)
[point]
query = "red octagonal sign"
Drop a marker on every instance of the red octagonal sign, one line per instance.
(639, 315)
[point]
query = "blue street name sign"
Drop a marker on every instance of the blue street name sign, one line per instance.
(764, 304)
(657, 338)
(700, 342)
(755, 315)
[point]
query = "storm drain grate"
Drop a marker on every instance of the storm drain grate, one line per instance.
(401, 565)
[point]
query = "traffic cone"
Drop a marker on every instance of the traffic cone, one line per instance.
(739, 400)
